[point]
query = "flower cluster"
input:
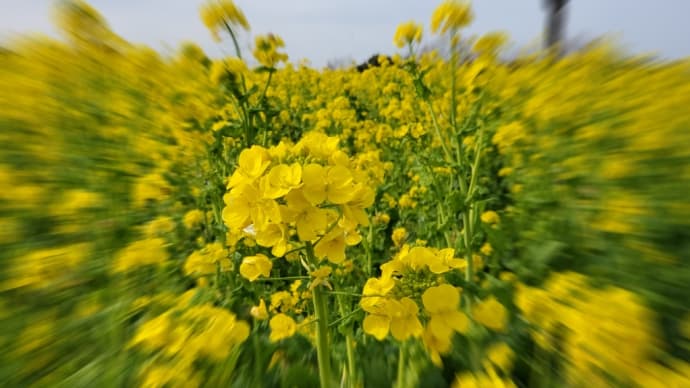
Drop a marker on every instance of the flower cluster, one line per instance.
(599, 330)
(266, 50)
(451, 15)
(287, 197)
(407, 34)
(417, 274)
(183, 334)
(218, 15)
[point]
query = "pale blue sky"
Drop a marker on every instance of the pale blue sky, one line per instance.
(322, 30)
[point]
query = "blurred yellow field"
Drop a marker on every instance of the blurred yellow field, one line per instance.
(465, 221)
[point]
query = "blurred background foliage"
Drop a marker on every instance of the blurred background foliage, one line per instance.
(115, 160)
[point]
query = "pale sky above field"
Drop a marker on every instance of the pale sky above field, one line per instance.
(324, 30)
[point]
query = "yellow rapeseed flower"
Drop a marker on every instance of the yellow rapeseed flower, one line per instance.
(309, 220)
(491, 313)
(436, 345)
(282, 326)
(404, 320)
(451, 15)
(321, 277)
(399, 235)
(501, 355)
(490, 217)
(442, 305)
(252, 164)
(332, 246)
(275, 236)
(141, 253)
(377, 325)
(219, 14)
(280, 180)
(193, 218)
(259, 312)
(207, 260)
(486, 249)
(253, 267)
(374, 293)
(407, 34)
(490, 43)
(332, 183)
(266, 50)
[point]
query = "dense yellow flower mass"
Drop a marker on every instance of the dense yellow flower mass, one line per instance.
(441, 220)
(208, 260)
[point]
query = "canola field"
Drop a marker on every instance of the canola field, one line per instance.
(435, 221)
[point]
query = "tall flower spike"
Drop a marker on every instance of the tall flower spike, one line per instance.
(266, 50)
(451, 15)
(221, 13)
(407, 34)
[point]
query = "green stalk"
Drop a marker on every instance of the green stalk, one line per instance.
(349, 347)
(257, 359)
(247, 125)
(469, 217)
(321, 314)
(234, 39)
(437, 129)
(369, 248)
(469, 270)
(268, 82)
(322, 352)
(475, 165)
(248, 138)
(453, 59)
(261, 103)
(402, 360)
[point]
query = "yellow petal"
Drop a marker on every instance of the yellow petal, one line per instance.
(254, 266)
(282, 326)
(314, 189)
(440, 299)
(377, 326)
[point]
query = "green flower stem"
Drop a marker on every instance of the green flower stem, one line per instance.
(437, 129)
(322, 351)
(248, 136)
(349, 345)
(321, 314)
(234, 39)
(453, 119)
(257, 358)
(453, 60)
(245, 109)
(268, 82)
(261, 103)
(402, 360)
(449, 159)
(369, 248)
(281, 278)
(475, 166)
(469, 271)
(345, 293)
(469, 216)
(344, 317)
(332, 226)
